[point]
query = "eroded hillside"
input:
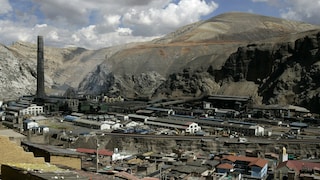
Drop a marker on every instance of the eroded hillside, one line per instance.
(273, 60)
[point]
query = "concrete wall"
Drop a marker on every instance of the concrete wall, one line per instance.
(73, 162)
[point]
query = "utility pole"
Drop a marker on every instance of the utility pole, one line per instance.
(97, 151)
(97, 154)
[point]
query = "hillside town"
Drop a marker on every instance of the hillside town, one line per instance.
(210, 137)
(73, 134)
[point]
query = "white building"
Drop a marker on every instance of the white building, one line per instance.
(43, 129)
(112, 124)
(193, 128)
(101, 125)
(22, 110)
(258, 130)
(131, 124)
(28, 124)
(33, 109)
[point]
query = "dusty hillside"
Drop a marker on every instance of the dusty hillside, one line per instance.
(271, 59)
(234, 53)
(236, 27)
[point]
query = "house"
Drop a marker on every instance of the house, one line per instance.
(296, 168)
(248, 166)
(225, 168)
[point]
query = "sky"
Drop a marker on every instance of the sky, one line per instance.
(95, 24)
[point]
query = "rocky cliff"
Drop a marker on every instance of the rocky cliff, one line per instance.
(273, 60)
(16, 75)
(286, 73)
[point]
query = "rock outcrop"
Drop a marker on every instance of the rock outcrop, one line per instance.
(287, 73)
(17, 76)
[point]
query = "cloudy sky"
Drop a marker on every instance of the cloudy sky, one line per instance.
(101, 23)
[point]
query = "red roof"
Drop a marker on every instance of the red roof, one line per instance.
(225, 166)
(85, 150)
(252, 160)
(297, 165)
(259, 162)
(103, 152)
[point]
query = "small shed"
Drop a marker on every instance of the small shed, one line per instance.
(29, 124)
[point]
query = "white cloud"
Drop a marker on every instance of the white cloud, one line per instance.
(97, 23)
(307, 11)
(163, 20)
(41, 25)
(124, 31)
(299, 10)
(5, 7)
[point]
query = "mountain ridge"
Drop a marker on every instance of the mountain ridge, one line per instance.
(216, 56)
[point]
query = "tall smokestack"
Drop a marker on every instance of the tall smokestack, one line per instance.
(40, 70)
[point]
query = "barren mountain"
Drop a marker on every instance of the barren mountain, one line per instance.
(271, 59)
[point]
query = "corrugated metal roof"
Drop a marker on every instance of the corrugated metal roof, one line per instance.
(53, 150)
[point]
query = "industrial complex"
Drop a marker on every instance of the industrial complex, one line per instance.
(100, 137)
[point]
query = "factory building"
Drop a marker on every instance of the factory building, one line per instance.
(183, 126)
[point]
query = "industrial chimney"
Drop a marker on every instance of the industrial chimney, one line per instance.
(40, 71)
